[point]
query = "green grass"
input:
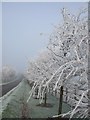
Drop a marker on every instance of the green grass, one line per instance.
(44, 112)
(17, 103)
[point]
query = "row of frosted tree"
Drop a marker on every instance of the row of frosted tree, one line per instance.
(62, 69)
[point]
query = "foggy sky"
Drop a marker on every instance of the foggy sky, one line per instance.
(22, 24)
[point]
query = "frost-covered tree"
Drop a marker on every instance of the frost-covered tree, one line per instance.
(66, 63)
(69, 44)
(40, 71)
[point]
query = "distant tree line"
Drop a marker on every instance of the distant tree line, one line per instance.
(7, 74)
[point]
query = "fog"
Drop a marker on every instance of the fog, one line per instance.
(26, 28)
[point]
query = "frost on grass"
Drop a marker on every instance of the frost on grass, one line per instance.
(15, 105)
(64, 63)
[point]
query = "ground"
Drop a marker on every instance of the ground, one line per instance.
(15, 105)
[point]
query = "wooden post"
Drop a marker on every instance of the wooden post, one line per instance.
(60, 101)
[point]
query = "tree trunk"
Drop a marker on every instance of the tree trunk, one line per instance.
(45, 101)
(52, 89)
(56, 93)
(60, 101)
(49, 88)
(75, 95)
(66, 94)
(37, 91)
(45, 97)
